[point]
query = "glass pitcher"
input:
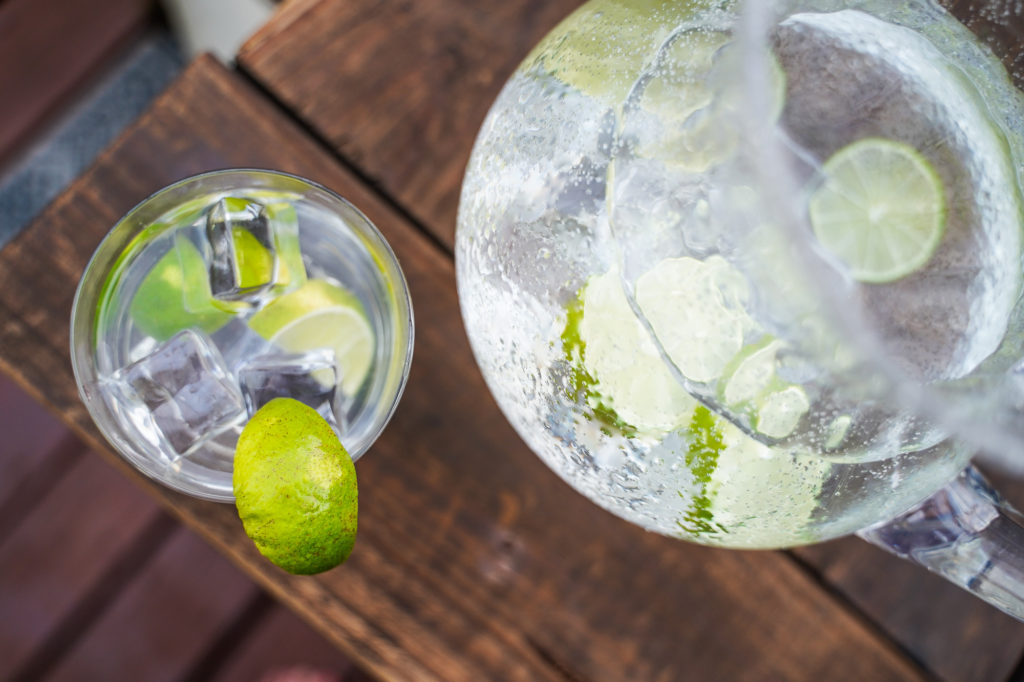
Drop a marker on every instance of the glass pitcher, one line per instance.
(750, 274)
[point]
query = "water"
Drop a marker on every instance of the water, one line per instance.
(219, 301)
(650, 333)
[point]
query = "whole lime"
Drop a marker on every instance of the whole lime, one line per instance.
(295, 488)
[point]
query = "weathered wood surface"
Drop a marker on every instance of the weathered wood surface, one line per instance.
(164, 620)
(43, 590)
(404, 108)
(474, 561)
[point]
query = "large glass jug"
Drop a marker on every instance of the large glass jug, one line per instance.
(750, 274)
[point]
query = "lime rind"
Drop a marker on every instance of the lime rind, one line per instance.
(295, 488)
(881, 209)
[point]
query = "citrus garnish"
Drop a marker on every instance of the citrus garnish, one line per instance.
(175, 295)
(881, 209)
(295, 488)
(631, 381)
(696, 93)
(731, 485)
(602, 48)
(321, 315)
(702, 341)
(255, 262)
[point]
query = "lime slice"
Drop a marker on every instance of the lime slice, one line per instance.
(703, 341)
(881, 210)
(631, 383)
(255, 262)
(320, 315)
(602, 48)
(175, 295)
(295, 488)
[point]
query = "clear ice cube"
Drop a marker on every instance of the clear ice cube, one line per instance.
(310, 378)
(252, 251)
(187, 391)
(238, 343)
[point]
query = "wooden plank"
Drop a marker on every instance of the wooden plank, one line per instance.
(474, 561)
(48, 48)
(164, 619)
(59, 555)
(434, 66)
(909, 602)
(280, 643)
(36, 450)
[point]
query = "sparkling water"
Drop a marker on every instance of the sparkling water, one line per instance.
(230, 298)
(618, 145)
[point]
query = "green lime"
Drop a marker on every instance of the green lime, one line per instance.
(881, 209)
(702, 341)
(320, 315)
(630, 382)
(295, 488)
(603, 47)
(175, 295)
(255, 262)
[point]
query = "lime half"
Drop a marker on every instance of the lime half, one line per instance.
(321, 315)
(881, 210)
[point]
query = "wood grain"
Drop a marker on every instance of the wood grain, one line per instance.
(283, 642)
(43, 588)
(474, 561)
(48, 48)
(35, 452)
(164, 619)
(983, 644)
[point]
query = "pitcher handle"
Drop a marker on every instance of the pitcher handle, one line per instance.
(968, 534)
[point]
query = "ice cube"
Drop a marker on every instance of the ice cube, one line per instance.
(252, 250)
(239, 343)
(310, 378)
(187, 391)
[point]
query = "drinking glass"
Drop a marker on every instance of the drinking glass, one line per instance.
(749, 274)
(222, 292)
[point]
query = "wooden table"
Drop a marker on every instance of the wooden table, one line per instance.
(474, 561)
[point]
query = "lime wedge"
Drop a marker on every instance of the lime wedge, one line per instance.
(703, 341)
(175, 295)
(630, 382)
(602, 48)
(881, 210)
(255, 262)
(321, 315)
